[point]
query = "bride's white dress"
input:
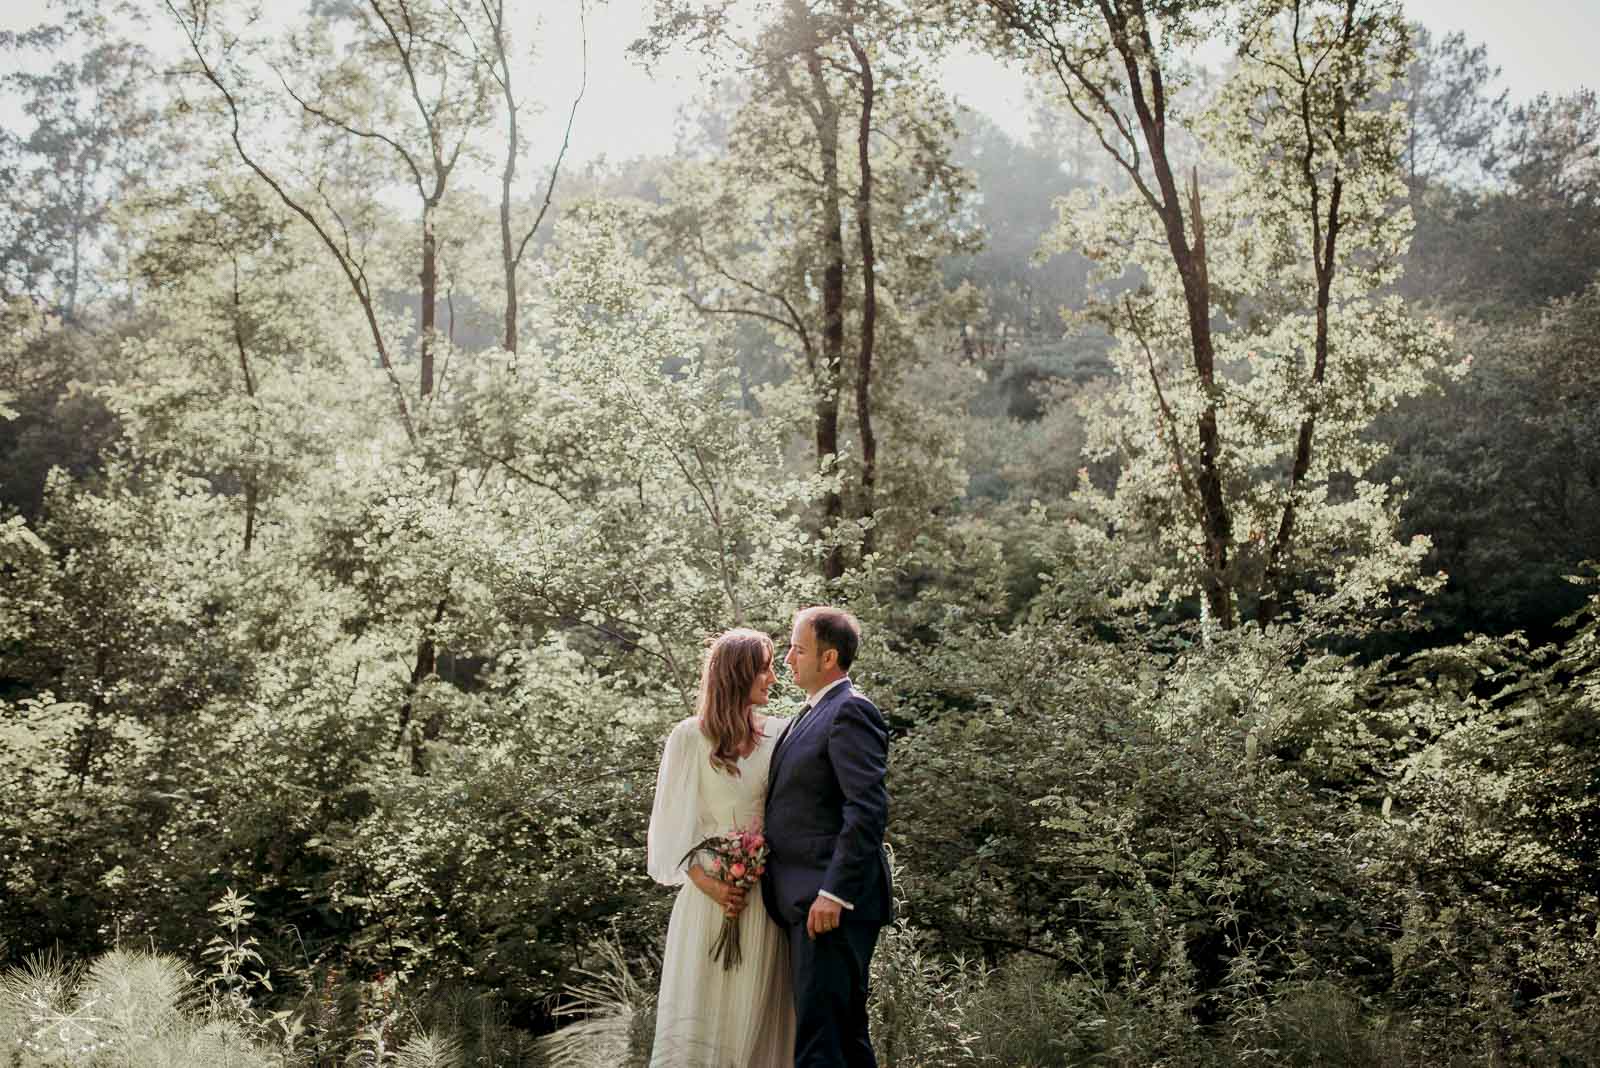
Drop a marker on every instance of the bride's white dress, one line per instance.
(707, 1017)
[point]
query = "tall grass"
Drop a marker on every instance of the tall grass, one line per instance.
(612, 1017)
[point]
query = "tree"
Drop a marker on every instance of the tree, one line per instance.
(1017, 337)
(246, 328)
(220, 55)
(391, 93)
(494, 52)
(837, 181)
(1100, 58)
(607, 503)
(1243, 469)
(401, 82)
(1503, 470)
(1550, 155)
(1452, 120)
(92, 141)
(54, 423)
(1501, 252)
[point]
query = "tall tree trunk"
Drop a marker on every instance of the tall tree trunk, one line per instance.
(251, 488)
(425, 666)
(825, 115)
(1128, 25)
(430, 287)
(869, 299)
(1147, 90)
(507, 257)
(252, 494)
(511, 249)
(1324, 242)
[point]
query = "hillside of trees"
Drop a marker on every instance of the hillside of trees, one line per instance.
(1215, 472)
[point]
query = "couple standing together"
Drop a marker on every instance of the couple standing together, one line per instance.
(814, 785)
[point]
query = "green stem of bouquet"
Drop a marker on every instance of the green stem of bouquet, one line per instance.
(726, 948)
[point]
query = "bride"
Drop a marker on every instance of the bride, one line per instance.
(713, 778)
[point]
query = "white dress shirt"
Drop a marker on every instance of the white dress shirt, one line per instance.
(813, 698)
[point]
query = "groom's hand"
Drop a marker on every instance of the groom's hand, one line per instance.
(824, 916)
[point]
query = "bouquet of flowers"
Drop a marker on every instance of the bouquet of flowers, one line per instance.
(737, 858)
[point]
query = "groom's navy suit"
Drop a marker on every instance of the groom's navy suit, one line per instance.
(825, 817)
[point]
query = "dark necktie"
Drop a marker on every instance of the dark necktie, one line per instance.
(793, 723)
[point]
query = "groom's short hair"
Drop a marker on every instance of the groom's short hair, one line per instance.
(835, 629)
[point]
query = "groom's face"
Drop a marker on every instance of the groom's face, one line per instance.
(802, 658)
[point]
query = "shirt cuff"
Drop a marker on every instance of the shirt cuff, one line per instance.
(835, 897)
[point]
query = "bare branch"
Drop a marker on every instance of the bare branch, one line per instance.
(353, 130)
(566, 140)
(193, 28)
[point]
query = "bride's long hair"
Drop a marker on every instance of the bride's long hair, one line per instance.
(733, 660)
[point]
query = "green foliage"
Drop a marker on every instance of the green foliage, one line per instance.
(1318, 1023)
(1494, 813)
(1014, 187)
(507, 804)
(1516, 438)
(518, 849)
(1171, 791)
(1453, 113)
(773, 232)
(44, 422)
(1497, 252)
(232, 950)
(918, 1011)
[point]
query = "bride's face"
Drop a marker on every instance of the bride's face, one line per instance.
(765, 679)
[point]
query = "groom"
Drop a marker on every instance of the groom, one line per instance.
(827, 878)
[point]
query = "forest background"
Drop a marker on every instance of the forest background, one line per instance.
(1215, 471)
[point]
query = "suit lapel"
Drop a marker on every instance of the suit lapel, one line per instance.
(797, 726)
(778, 749)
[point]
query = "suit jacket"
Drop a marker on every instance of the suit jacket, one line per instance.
(826, 811)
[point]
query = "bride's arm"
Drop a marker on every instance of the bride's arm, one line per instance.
(672, 820)
(672, 816)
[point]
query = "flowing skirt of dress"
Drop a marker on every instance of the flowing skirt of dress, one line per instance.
(707, 1017)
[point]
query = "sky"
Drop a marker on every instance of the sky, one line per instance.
(1541, 46)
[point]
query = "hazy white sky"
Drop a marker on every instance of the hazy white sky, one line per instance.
(1541, 45)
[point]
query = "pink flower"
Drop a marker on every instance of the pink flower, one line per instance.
(737, 871)
(757, 841)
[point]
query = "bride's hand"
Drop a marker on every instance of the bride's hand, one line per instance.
(730, 899)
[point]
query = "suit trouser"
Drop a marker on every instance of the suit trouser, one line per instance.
(830, 994)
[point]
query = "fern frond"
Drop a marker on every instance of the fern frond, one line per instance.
(138, 996)
(43, 980)
(37, 1002)
(430, 1049)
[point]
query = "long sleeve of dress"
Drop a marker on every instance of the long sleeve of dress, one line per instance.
(674, 816)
